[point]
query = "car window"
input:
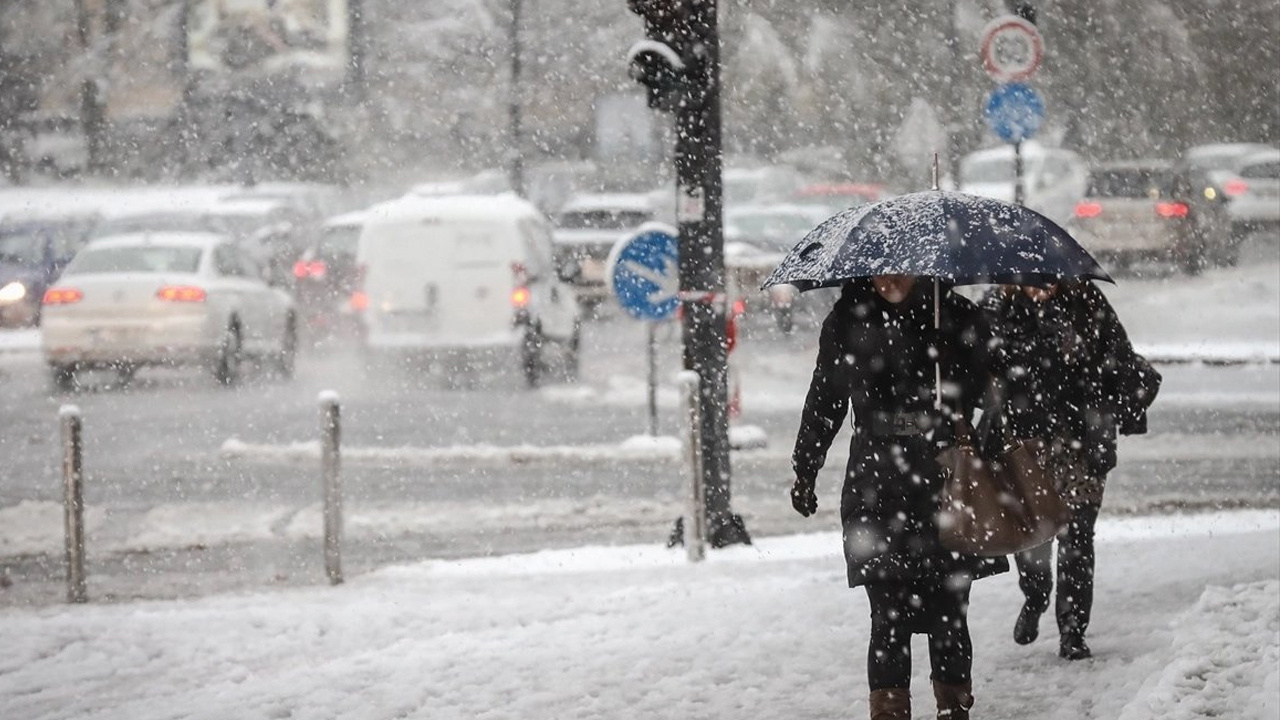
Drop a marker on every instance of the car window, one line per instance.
(997, 169)
(605, 219)
(158, 222)
(68, 238)
(22, 245)
(248, 266)
(136, 259)
(1132, 183)
(339, 241)
(538, 242)
(226, 261)
(1262, 171)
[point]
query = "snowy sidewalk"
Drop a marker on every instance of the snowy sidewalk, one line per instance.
(1187, 625)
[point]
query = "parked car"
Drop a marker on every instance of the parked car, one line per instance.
(587, 228)
(33, 251)
(759, 185)
(457, 276)
(1053, 179)
(327, 273)
(834, 197)
(165, 299)
(756, 239)
(1256, 202)
(1149, 209)
(1222, 164)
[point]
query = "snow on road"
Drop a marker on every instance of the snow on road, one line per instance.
(1185, 626)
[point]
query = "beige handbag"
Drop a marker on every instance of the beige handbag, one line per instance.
(999, 507)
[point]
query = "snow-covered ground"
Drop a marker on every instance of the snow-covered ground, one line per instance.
(1186, 625)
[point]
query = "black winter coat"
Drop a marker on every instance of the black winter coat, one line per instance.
(876, 358)
(1067, 370)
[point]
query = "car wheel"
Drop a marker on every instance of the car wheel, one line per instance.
(531, 356)
(227, 367)
(287, 359)
(63, 378)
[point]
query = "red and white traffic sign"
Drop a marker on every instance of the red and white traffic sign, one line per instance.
(1012, 49)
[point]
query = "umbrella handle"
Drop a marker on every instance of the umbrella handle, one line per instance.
(937, 323)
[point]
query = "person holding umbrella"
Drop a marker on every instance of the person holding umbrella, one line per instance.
(876, 355)
(909, 358)
(1069, 377)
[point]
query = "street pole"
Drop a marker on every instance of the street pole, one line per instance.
(515, 166)
(702, 278)
(91, 112)
(73, 503)
(1018, 192)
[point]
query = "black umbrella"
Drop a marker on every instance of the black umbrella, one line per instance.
(953, 237)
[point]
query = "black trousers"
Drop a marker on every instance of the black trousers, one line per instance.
(940, 610)
(1075, 572)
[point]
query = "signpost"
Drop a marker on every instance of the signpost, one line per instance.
(643, 271)
(1012, 50)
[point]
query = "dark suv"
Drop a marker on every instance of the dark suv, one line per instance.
(33, 252)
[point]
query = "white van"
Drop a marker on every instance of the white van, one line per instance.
(1053, 179)
(464, 274)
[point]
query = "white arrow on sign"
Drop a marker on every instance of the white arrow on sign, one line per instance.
(667, 280)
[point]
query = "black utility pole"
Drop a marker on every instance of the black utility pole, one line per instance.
(680, 64)
(515, 162)
(92, 115)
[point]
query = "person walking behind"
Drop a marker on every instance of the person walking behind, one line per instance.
(1069, 377)
(876, 354)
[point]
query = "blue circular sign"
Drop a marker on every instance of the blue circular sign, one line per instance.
(1014, 112)
(644, 273)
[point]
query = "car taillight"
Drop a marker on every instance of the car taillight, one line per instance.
(181, 293)
(359, 299)
(62, 296)
(1233, 188)
(1088, 209)
(309, 269)
(520, 298)
(1172, 209)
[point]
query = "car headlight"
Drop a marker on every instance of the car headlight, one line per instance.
(13, 292)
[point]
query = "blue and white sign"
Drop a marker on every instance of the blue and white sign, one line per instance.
(644, 272)
(1014, 112)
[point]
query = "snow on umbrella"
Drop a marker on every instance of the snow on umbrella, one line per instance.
(953, 237)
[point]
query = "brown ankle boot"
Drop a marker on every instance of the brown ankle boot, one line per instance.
(891, 704)
(954, 701)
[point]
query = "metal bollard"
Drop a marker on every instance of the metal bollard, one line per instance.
(330, 464)
(695, 528)
(73, 503)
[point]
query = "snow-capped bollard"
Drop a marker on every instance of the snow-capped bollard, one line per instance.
(73, 503)
(695, 527)
(331, 481)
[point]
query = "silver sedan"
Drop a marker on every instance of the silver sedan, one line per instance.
(165, 299)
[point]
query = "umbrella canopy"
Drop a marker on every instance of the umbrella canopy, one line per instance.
(954, 237)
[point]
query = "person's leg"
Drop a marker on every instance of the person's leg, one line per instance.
(950, 648)
(1035, 578)
(1075, 581)
(889, 654)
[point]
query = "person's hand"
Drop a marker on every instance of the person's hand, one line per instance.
(803, 498)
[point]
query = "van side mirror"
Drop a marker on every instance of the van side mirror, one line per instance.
(569, 270)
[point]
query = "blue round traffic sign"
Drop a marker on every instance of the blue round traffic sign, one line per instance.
(1014, 112)
(643, 272)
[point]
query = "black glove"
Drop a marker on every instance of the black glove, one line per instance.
(803, 498)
